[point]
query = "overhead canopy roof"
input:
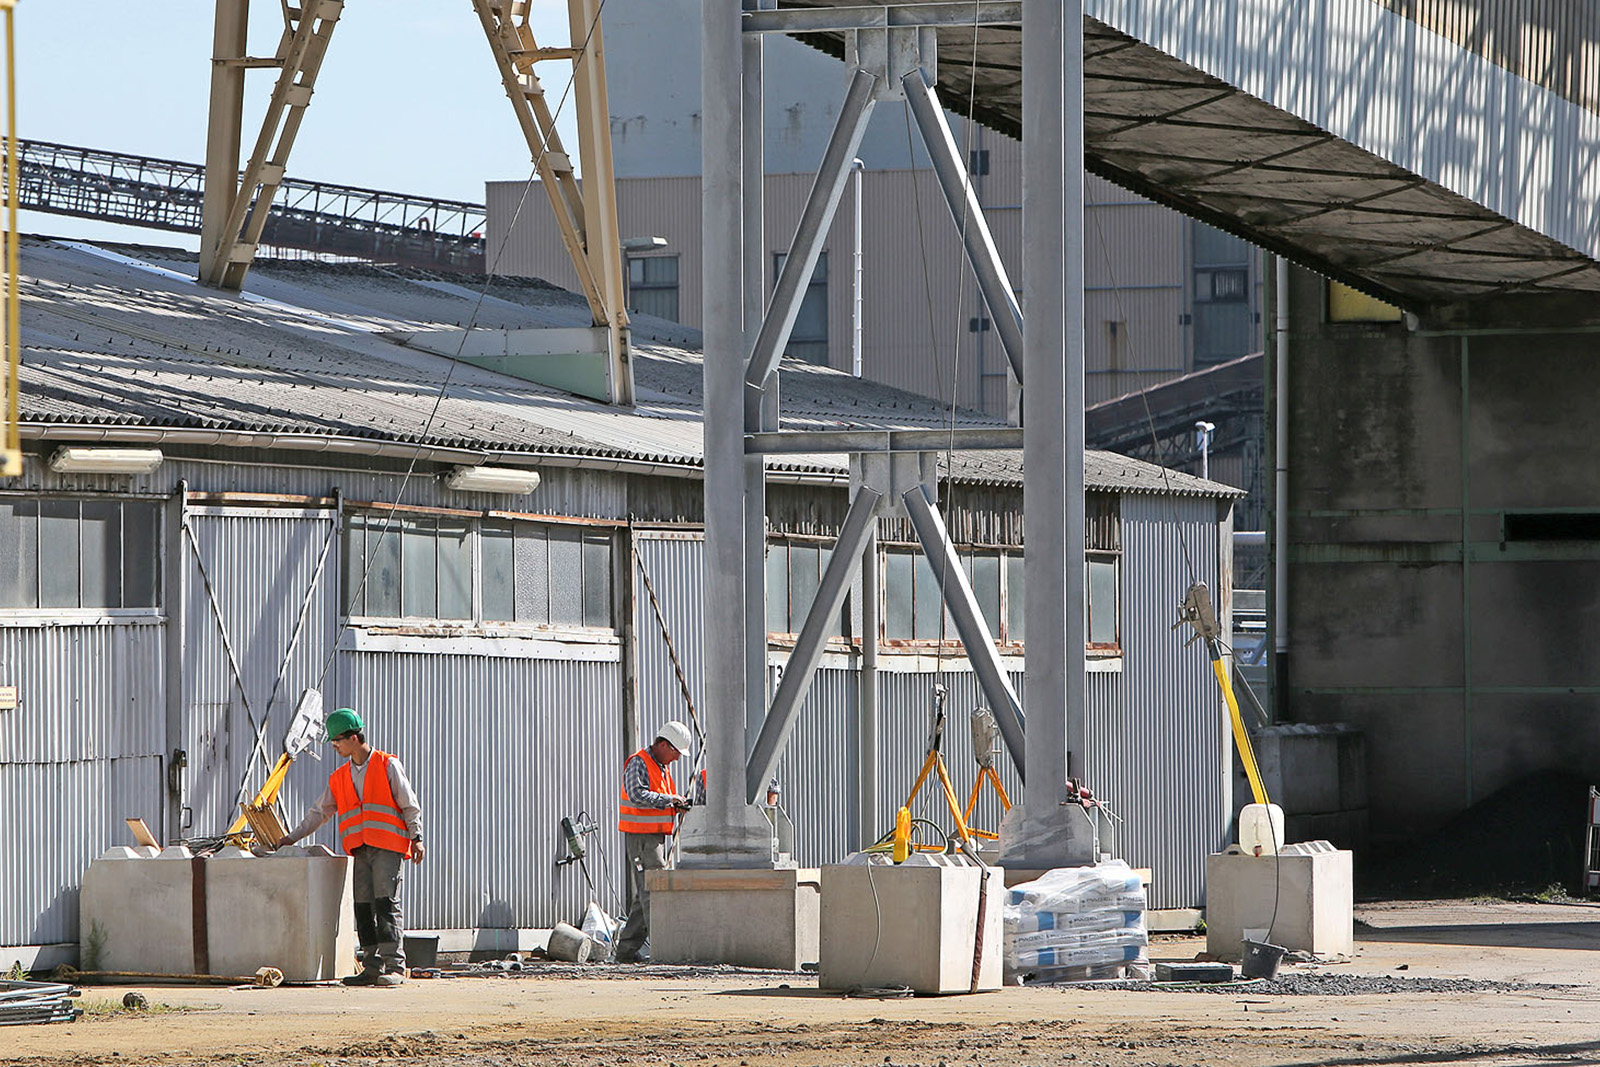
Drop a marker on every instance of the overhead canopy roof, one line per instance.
(1170, 132)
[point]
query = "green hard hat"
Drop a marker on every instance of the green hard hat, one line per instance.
(342, 722)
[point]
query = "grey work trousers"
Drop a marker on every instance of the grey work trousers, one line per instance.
(376, 875)
(641, 853)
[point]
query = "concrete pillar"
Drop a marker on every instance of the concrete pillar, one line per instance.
(725, 832)
(1045, 833)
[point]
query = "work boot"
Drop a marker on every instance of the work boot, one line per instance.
(366, 976)
(389, 979)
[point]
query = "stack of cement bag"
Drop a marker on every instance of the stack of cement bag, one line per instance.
(1076, 924)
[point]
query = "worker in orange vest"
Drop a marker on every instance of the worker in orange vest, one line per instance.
(650, 806)
(380, 825)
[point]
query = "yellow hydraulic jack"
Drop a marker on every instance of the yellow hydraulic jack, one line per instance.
(1197, 611)
(933, 764)
(259, 819)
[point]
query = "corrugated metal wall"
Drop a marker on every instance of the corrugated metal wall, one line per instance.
(274, 608)
(1552, 43)
(675, 563)
(1157, 735)
(561, 491)
(1416, 98)
(80, 753)
(499, 750)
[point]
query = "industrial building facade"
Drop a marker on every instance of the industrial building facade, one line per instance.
(160, 626)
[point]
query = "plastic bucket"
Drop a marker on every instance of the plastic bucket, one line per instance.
(422, 951)
(569, 943)
(1261, 959)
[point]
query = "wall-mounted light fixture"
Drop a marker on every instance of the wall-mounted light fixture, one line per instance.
(76, 460)
(493, 479)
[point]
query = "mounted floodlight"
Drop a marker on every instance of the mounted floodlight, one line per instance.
(643, 244)
(71, 460)
(493, 479)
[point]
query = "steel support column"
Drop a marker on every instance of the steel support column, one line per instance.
(956, 182)
(867, 828)
(725, 831)
(974, 632)
(1045, 834)
(755, 467)
(812, 641)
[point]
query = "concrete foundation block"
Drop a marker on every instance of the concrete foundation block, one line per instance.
(912, 926)
(749, 918)
(1312, 895)
(290, 911)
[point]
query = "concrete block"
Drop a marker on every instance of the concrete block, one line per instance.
(290, 911)
(911, 925)
(750, 918)
(1312, 895)
(283, 911)
(1312, 768)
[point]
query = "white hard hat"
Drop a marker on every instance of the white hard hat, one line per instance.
(677, 735)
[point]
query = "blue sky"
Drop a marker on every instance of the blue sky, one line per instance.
(408, 99)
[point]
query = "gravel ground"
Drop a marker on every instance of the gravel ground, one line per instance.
(1330, 985)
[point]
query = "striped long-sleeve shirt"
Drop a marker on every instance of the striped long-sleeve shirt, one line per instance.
(636, 783)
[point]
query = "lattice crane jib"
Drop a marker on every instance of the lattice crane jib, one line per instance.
(586, 213)
(237, 205)
(11, 446)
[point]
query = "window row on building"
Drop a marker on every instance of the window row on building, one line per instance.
(99, 553)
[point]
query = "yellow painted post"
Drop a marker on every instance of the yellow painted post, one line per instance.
(11, 449)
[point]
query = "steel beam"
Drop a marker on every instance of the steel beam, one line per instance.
(724, 832)
(867, 827)
(307, 33)
(967, 213)
(974, 632)
(602, 236)
(826, 192)
(755, 466)
(515, 51)
(838, 19)
(857, 533)
(813, 442)
(224, 127)
(1046, 835)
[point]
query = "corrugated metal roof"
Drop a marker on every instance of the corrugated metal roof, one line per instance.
(314, 349)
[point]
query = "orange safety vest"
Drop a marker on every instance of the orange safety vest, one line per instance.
(372, 818)
(635, 820)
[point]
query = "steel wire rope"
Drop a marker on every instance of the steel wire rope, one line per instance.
(1138, 372)
(438, 399)
(1183, 540)
(933, 334)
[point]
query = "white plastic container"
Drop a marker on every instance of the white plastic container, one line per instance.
(1261, 829)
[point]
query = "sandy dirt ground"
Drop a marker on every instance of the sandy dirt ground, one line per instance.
(681, 1017)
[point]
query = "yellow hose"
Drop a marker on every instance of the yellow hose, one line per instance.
(1247, 755)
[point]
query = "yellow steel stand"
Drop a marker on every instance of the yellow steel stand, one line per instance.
(11, 446)
(986, 774)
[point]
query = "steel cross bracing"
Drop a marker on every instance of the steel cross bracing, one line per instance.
(235, 211)
(891, 54)
(232, 228)
(166, 194)
(586, 214)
